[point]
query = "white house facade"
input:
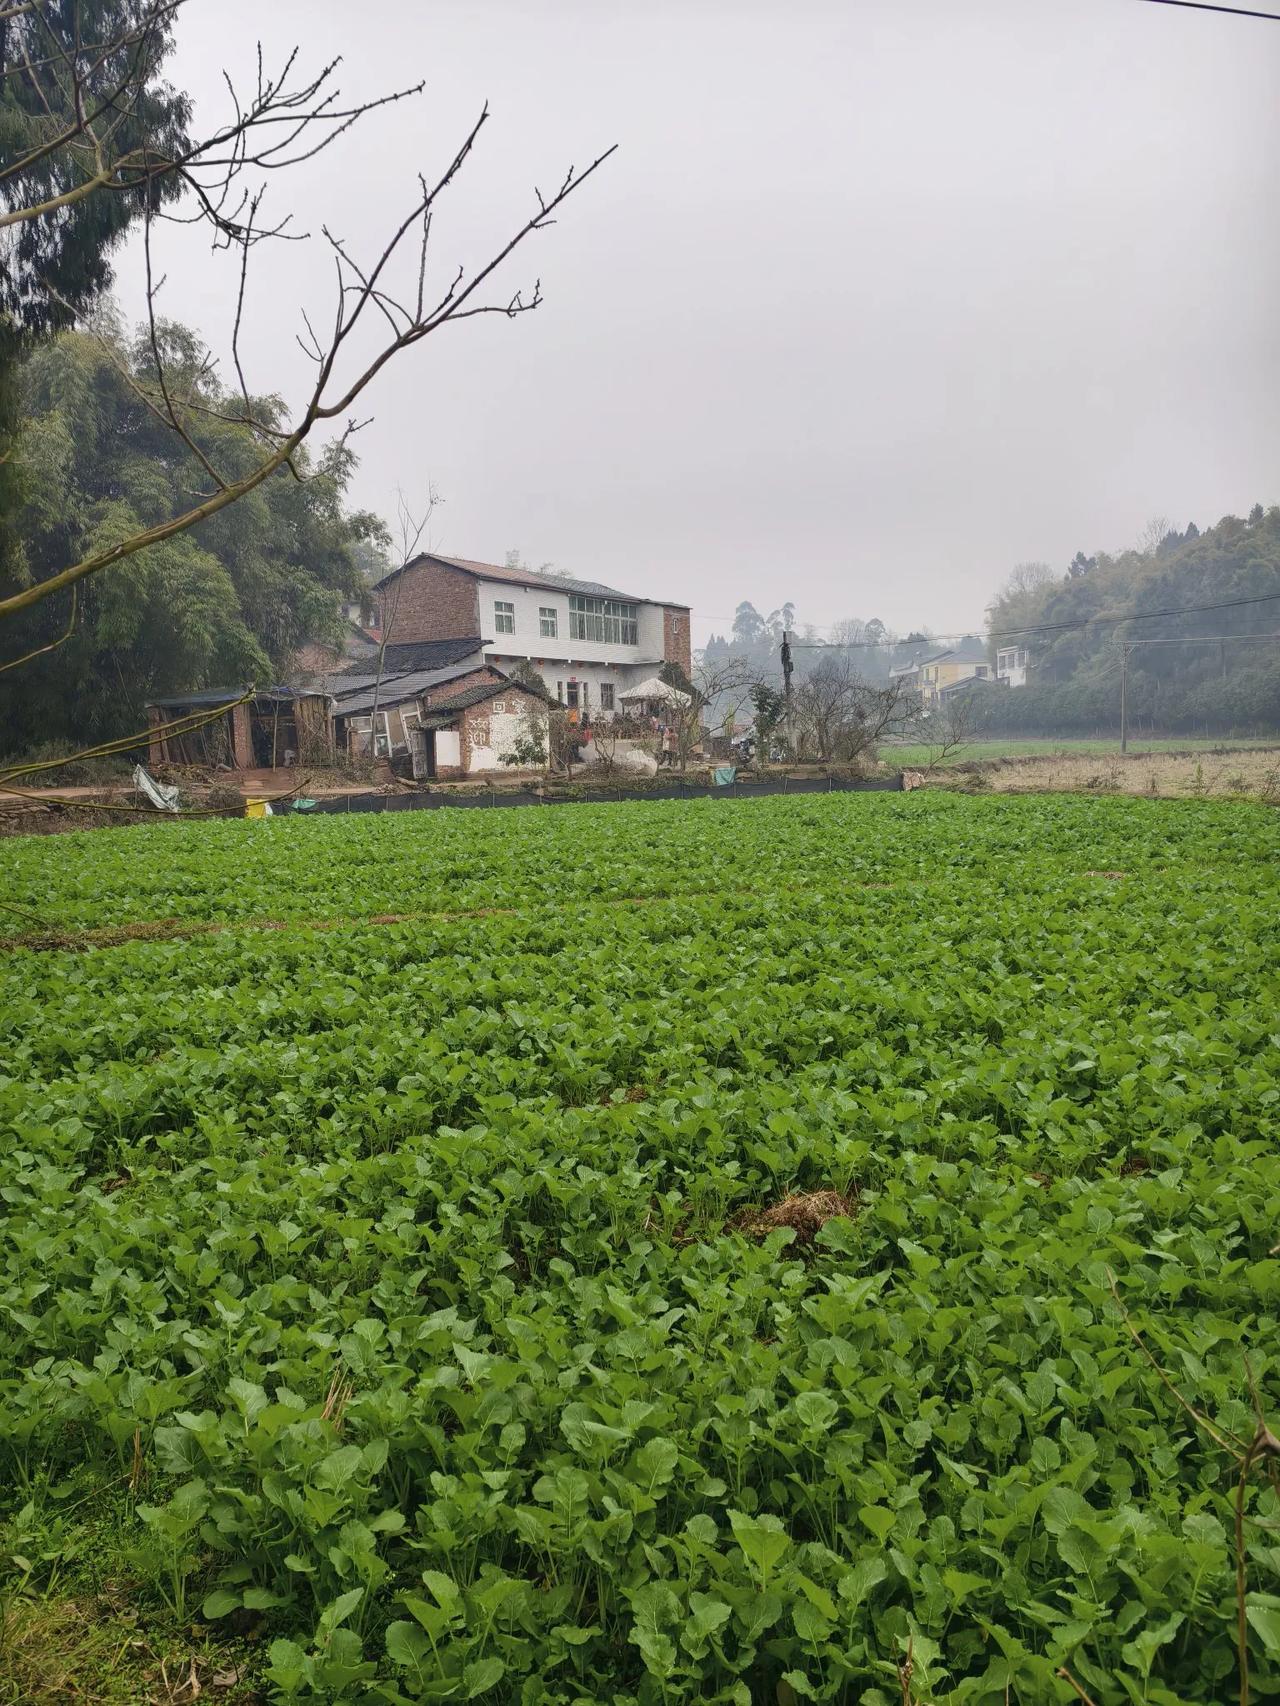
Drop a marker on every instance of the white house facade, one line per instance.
(1012, 664)
(589, 642)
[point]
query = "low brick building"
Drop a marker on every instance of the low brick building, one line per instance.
(472, 727)
(450, 722)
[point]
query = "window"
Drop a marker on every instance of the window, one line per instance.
(606, 696)
(504, 617)
(560, 692)
(606, 619)
(546, 622)
(981, 669)
(410, 719)
(573, 696)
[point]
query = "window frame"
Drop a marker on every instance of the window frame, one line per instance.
(548, 622)
(504, 612)
(603, 621)
(607, 697)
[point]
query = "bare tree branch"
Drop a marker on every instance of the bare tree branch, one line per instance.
(356, 288)
(53, 645)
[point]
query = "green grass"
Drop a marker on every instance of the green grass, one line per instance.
(391, 1306)
(980, 750)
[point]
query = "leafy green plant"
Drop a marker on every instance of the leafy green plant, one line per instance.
(406, 1288)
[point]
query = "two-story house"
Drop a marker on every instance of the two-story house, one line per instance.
(589, 642)
(958, 666)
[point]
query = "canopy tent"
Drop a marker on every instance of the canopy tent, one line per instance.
(653, 690)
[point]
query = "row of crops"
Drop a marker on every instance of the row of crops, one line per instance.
(396, 1295)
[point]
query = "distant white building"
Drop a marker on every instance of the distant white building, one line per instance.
(1012, 664)
(588, 641)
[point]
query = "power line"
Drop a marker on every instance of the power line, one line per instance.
(1034, 628)
(1230, 11)
(1194, 640)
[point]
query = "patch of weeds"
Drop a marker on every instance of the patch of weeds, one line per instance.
(804, 1212)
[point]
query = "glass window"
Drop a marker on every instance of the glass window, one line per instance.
(606, 696)
(607, 620)
(504, 617)
(547, 621)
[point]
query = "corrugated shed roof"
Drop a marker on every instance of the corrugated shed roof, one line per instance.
(229, 695)
(531, 578)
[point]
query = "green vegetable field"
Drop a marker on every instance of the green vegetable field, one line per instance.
(651, 1253)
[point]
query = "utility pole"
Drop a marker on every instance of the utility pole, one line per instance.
(1124, 698)
(786, 687)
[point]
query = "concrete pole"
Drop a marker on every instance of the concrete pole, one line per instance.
(1124, 699)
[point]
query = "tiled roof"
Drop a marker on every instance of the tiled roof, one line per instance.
(969, 650)
(392, 690)
(531, 578)
(404, 655)
(477, 695)
(433, 654)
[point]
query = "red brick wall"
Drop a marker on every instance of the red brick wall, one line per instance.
(475, 729)
(676, 644)
(434, 602)
(241, 738)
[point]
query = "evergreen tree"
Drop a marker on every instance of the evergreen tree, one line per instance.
(229, 601)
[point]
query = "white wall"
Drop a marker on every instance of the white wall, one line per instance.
(505, 728)
(528, 642)
(593, 675)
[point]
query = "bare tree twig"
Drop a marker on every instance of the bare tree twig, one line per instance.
(52, 646)
(321, 406)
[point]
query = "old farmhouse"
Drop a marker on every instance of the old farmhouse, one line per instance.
(589, 642)
(422, 686)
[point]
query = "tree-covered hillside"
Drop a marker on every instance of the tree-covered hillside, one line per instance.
(1201, 685)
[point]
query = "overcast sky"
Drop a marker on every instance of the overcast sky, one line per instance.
(876, 299)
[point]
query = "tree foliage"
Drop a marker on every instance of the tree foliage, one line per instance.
(53, 267)
(229, 601)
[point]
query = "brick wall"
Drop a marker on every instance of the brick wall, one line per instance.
(676, 644)
(434, 602)
(241, 737)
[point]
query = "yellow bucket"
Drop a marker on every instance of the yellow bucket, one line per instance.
(255, 808)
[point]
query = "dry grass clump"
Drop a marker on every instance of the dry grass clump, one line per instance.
(805, 1212)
